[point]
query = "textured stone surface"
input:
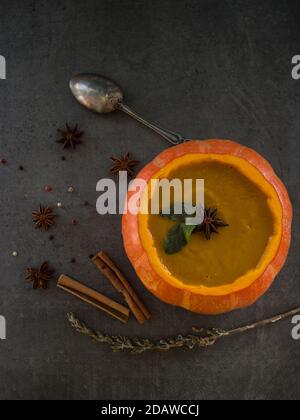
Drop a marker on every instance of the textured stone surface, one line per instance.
(206, 68)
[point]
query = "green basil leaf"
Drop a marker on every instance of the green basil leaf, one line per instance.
(177, 237)
(188, 230)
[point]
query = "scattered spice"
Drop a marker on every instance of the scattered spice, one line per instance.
(14, 254)
(86, 203)
(123, 163)
(63, 158)
(73, 260)
(71, 190)
(74, 222)
(91, 256)
(48, 188)
(59, 205)
(43, 218)
(70, 136)
(93, 298)
(40, 277)
(21, 168)
(122, 285)
(211, 223)
(201, 338)
(3, 161)
(51, 238)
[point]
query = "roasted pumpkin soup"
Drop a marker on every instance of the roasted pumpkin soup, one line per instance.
(238, 248)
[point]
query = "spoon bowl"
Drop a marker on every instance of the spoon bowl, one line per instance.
(96, 93)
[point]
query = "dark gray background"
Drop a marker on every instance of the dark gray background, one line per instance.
(207, 68)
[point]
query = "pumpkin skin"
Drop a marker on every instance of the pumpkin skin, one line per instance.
(181, 296)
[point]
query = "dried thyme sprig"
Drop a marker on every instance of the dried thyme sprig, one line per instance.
(203, 339)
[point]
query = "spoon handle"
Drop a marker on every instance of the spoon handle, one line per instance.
(170, 136)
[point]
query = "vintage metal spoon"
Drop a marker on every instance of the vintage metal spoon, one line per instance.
(102, 95)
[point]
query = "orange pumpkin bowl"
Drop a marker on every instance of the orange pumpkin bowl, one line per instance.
(220, 298)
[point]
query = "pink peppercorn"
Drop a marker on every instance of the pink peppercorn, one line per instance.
(3, 161)
(74, 222)
(48, 188)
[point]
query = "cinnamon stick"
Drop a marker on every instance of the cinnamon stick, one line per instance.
(93, 298)
(121, 284)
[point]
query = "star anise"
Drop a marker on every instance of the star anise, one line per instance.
(123, 163)
(40, 277)
(70, 136)
(211, 223)
(43, 218)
